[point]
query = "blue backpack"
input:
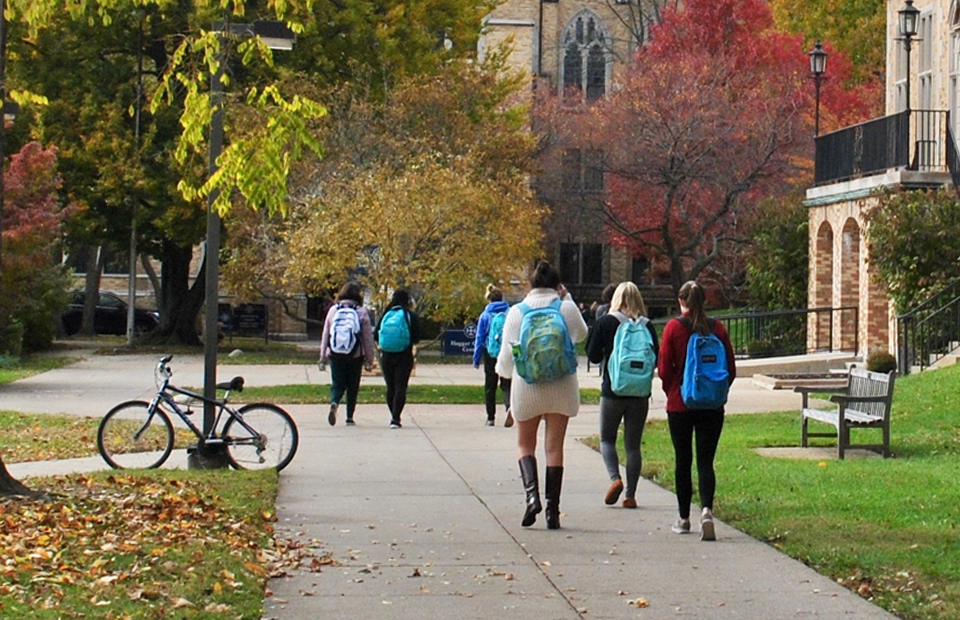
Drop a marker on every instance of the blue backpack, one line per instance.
(495, 334)
(705, 376)
(632, 360)
(395, 331)
(545, 351)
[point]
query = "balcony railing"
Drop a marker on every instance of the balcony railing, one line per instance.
(915, 140)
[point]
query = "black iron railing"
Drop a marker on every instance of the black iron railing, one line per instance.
(792, 332)
(930, 331)
(915, 140)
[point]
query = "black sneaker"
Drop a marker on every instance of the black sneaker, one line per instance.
(395, 424)
(490, 422)
(350, 422)
(332, 416)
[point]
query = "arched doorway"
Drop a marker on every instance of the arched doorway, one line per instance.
(822, 288)
(849, 284)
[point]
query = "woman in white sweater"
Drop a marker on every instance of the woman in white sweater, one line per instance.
(553, 402)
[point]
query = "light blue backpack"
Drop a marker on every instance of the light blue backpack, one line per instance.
(395, 331)
(632, 360)
(545, 351)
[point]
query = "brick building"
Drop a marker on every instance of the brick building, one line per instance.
(913, 147)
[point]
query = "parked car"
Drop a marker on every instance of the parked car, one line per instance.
(110, 317)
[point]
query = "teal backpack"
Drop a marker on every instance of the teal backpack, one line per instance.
(545, 351)
(632, 359)
(495, 334)
(395, 331)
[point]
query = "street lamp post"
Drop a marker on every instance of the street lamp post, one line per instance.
(276, 36)
(818, 66)
(909, 19)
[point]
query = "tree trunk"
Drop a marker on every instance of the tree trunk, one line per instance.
(179, 303)
(91, 290)
(11, 487)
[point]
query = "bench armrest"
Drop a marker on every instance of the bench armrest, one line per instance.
(807, 390)
(845, 399)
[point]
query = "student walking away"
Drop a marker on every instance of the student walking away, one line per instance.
(397, 333)
(486, 348)
(540, 358)
(602, 308)
(347, 344)
(696, 368)
(624, 342)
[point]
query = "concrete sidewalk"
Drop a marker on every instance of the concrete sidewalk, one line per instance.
(424, 522)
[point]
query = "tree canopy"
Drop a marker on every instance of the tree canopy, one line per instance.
(426, 189)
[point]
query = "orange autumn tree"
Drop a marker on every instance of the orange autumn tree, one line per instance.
(714, 114)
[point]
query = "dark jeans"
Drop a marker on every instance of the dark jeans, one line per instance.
(396, 373)
(345, 372)
(707, 424)
(490, 381)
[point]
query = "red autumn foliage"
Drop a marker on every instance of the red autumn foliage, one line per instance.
(715, 113)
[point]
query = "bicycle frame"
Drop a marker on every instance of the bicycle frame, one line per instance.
(163, 396)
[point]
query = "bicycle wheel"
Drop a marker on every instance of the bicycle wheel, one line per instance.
(275, 444)
(130, 439)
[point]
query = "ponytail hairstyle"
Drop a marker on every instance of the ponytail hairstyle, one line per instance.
(628, 300)
(693, 297)
(493, 293)
(544, 276)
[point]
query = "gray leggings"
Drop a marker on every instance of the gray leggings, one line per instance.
(633, 413)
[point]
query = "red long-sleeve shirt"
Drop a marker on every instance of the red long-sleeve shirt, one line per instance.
(673, 357)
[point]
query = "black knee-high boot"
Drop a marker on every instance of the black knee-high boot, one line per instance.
(531, 484)
(553, 483)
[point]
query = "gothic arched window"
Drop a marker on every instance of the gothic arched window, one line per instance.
(585, 57)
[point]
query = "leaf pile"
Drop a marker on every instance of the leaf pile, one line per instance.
(134, 546)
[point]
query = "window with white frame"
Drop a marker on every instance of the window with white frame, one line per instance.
(586, 59)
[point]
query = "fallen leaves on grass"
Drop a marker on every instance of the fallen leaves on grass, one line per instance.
(124, 537)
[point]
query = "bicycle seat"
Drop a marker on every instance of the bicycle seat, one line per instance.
(235, 385)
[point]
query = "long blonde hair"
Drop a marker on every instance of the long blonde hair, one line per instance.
(628, 300)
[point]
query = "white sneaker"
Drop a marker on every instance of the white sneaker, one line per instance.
(682, 526)
(707, 531)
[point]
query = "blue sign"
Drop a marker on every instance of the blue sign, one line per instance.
(460, 341)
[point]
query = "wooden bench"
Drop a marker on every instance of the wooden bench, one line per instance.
(865, 403)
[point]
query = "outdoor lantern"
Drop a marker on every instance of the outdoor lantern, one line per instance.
(818, 60)
(909, 18)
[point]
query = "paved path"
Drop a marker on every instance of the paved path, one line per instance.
(423, 522)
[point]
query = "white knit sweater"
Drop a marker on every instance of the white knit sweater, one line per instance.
(529, 400)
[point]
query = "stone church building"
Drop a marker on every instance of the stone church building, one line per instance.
(578, 44)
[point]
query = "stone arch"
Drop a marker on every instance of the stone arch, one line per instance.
(586, 61)
(849, 282)
(823, 285)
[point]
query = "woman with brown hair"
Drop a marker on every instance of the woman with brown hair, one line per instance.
(685, 422)
(533, 401)
(347, 343)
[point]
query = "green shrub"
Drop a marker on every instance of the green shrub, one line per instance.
(881, 361)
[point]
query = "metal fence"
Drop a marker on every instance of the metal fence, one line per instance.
(792, 332)
(930, 331)
(914, 140)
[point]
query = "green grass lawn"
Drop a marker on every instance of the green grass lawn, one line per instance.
(886, 528)
(30, 365)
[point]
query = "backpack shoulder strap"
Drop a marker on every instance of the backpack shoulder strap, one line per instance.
(619, 316)
(686, 322)
(524, 308)
(555, 304)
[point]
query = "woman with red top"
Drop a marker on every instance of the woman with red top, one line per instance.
(684, 422)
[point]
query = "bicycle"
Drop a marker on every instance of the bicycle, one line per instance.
(138, 434)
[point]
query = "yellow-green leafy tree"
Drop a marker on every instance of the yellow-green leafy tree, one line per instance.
(424, 188)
